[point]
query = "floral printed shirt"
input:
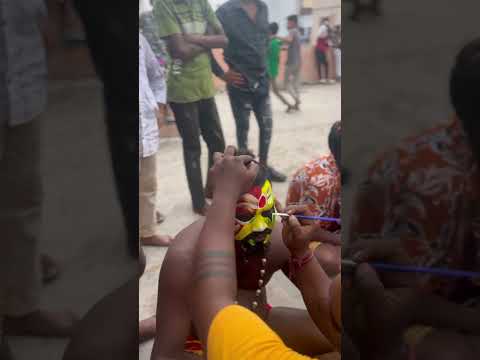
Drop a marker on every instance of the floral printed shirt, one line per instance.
(318, 184)
(429, 192)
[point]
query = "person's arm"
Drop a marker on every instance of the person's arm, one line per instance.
(214, 281)
(155, 73)
(214, 38)
(169, 29)
(173, 323)
(311, 279)
(216, 68)
(180, 48)
(286, 39)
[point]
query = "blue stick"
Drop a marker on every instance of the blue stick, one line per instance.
(426, 270)
(415, 269)
(305, 217)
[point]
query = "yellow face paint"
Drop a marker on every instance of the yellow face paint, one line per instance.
(254, 215)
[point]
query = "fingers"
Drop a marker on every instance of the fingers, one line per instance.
(230, 151)
(298, 210)
(217, 157)
(368, 284)
(294, 226)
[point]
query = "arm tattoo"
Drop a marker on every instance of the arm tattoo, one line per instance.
(215, 264)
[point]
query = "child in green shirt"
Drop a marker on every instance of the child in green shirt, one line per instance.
(274, 51)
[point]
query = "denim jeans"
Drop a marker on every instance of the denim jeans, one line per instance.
(243, 103)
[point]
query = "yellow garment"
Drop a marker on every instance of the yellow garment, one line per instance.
(314, 245)
(415, 334)
(237, 333)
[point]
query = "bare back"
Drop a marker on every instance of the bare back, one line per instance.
(174, 323)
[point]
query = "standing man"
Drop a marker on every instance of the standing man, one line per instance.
(294, 60)
(23, 101)
(191, 30)
(152, 97)
(323, 53)
(246, 25)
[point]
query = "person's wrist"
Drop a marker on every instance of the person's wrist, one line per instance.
(225, 192)
(300, 253)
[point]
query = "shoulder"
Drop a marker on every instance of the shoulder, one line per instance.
(433, 147)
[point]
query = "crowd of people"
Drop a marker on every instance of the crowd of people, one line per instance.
(185, 62)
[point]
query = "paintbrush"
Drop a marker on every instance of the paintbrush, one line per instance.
(305, 217)
(350, 265)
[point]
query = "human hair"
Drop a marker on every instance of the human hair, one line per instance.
(335, 142)
(273, 28)
(465, 89)
(293, 18)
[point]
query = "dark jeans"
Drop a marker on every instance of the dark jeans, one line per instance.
(243, 103)
(193, 119)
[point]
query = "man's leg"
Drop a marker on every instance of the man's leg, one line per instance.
(292, 78)
(296, 328)
(20, 222)
(242, 106)
(296, 81)
(278, 94)
(187, 120)
(211, 128)
(262, 108)
(147, 204)
(212, 133)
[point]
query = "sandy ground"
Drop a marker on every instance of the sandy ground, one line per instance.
(297, 138)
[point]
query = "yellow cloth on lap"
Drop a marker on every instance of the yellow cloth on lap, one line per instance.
(237, 333)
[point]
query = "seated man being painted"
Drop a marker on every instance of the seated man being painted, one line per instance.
(317, 185)
(236, 332)
(256, 236)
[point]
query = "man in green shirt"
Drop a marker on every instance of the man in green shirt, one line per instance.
(274, 50)
(191, 29)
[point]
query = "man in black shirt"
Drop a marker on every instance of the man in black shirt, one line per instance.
(246, 25)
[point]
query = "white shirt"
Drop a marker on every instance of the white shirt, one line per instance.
(23, 61)
(152, 91)
(323, 31)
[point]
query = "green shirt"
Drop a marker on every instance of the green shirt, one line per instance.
(274, 57)
(192, 80)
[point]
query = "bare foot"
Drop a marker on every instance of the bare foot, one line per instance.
(156, 240)
(50, 268)
(160, 217)
(147, 329)
(41, 323)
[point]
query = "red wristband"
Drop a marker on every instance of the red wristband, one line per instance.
(297, 264)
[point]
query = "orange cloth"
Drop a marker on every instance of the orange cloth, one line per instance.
(237, 333)
(318, 184)
(426, 186)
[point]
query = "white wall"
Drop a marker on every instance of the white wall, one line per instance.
(144, 6)
(279, 10)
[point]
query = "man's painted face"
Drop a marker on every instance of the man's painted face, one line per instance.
(255, 217)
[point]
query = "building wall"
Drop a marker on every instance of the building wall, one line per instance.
(280, 9)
